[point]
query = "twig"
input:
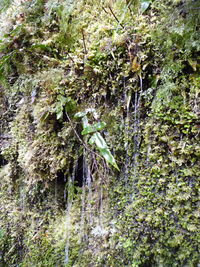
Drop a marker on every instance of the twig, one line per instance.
(84, 44)
(105, 10)
(115, 16)
(70, 57)
(129, 8)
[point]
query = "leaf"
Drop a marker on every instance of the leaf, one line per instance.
(63, 103)
(99, 140)
(93, 128)
(80, 114)
(41, 46)
(59, 114)
(85, 122)
(85, 112)
(193, 64)
(92, 139)
(62, 100)
(103, 149)
(144, 5)
(58, 110)
(135, 65)
(44, 115)
(70, 105)
(109, 157)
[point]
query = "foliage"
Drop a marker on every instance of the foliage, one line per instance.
(96, 137)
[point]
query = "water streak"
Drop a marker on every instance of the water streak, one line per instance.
(127, 100)
(101, 206)
(83, 208)
(88, 179)
(136, 129)
(70, 194)
(86, 198)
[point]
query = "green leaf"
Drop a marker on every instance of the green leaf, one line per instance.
(109, 157)
(85, 122)
(92, 139)
(85, 112)
(44, 115)
(80, 114)
(40, 46)
(59, 113)
(63, 100)
(58, 109)
(103, 149)
(99, 140)
(93, 128)
(63, 103)
(70, 105)
(144, 5)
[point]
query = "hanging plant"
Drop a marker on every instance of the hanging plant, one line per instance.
(95, 136)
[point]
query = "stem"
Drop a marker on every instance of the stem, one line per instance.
(115, 16)
(84, 44)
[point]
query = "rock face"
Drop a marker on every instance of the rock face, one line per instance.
(99, 133)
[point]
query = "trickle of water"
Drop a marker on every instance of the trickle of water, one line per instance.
(88, 180)
(101, 207)
(83, 204)
(68, 210)
(137, 122)
(86, 198)
(127, 99)
(148, 153)
(135, 131)
(22, 198)
(65, 189)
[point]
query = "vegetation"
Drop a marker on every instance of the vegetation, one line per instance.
(100, 127)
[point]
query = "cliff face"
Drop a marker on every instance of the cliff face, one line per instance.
(100, 127)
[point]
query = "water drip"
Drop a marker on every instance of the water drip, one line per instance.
(70, 194)
(137, 133)
(148, 153)
(135, 130)
(86, 198)
(101, 207)
(65, 190)
(127, 99)
(88, 180)
(83, 207)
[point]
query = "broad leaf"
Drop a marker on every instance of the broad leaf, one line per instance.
(80, 114)
(98, 140)
(144, 5)
(62, 99)
(59, 112)
(85, 112)
(109, 157)
(85, 122)
(93, 128)
(103, 149)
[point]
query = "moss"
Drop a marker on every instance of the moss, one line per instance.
(139, 70)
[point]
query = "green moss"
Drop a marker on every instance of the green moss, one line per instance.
(139, 69)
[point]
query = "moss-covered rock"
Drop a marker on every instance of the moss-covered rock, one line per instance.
(100, 126)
